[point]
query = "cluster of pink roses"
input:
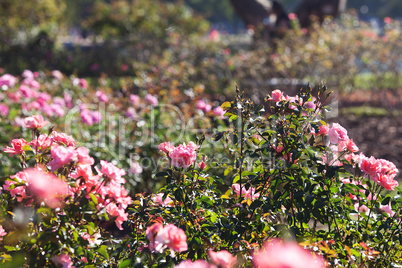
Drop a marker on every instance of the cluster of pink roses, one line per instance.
(182, 155)
(278, 96)
(381, 171)
(47, 187)
(29, 96)
(206, 108)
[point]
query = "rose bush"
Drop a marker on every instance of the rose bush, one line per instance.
(264, 185)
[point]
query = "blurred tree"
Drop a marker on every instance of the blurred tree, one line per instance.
(22, 20)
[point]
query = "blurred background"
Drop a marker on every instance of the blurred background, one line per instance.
(211, 44)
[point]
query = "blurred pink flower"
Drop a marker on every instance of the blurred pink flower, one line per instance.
(196, 264)
(7, 80)
(203, 106)
(280, 254)
(222, 258)
(102, 96)
(337, 133)
(46, 187)
(64, 260)
(131, 113)
(136, 168)
(151, 100)
(124, 67)
(214, 36)
(57, 74)
(2, 233)
(83, 83)
(218, 111)
(3, 110)
(292, 16)
(28, 74)
(387, 20)
(248, 194)
(135, 100)
(17, 146)
(151, 233)
(158, 199)
(35, 121)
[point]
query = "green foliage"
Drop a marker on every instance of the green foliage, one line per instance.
(22, 20)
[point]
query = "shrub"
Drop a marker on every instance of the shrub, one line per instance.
(261, 181)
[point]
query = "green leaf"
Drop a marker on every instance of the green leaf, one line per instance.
(124, 263)
(226, 105)
(217, 136)
(385, 201)
(102, 250)
(207, 200)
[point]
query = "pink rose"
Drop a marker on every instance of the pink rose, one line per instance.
(112, 172)
(41, 143)
(119, 213)
(172, 237)
(323, 131)
(46, 187)
(151, 234)
(248, 194)
(35, 121)
(183, 156)
(62, 156)
(277, 96)
(63, 139)
(222, 258)
(64, 260)
(337, 133)
(17, 146)
(83, 156)
(280, 254)
(349, 145)
(202, 165)
(166, 147)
